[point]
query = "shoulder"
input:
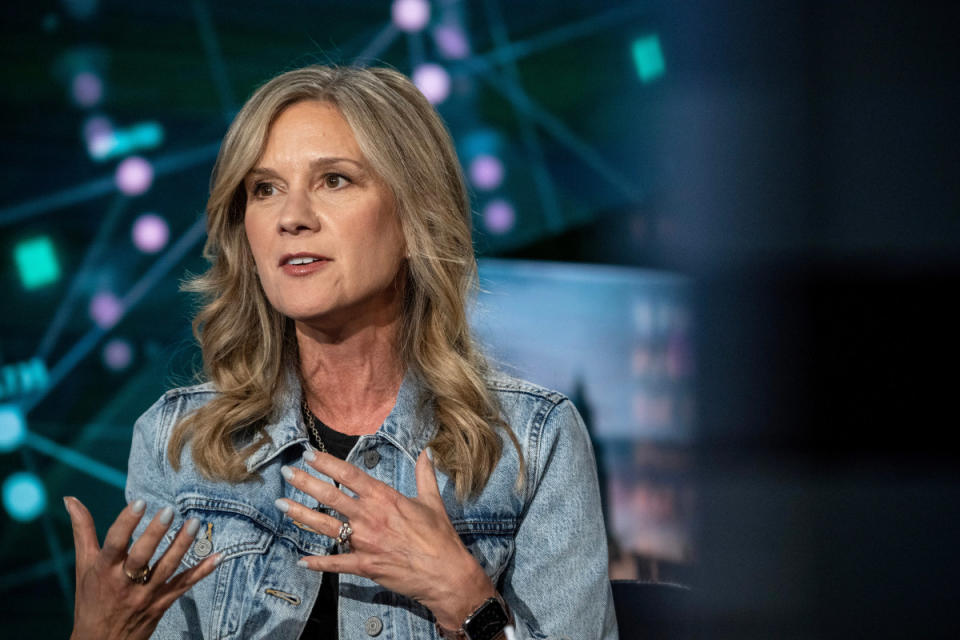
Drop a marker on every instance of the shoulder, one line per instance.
(534, 412)
(157, 421)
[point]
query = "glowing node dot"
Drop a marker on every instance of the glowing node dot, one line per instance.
(105, 309)
(451, 41)
(24, 496)
(117, 354)
(499, 216)
(486, 172)
(13, 428)
(86, 88)
(98, 134)
(133, 176)
(150, 233)
(410, 15)
(433, 82)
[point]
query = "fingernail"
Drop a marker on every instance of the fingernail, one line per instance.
(138, 506)
(66, 505)
(302, 563)
(217, 559)
(281, 504)
(287, 472)
(192, 525)
(430, 454)
(309, 455)
(165, 515)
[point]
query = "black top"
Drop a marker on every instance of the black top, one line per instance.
(323, 619)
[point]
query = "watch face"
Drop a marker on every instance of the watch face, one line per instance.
(487, 622)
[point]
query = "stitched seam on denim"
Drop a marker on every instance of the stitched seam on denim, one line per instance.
(221, 505)
(492, 527)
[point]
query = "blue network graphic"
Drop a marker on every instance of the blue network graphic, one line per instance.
(440, 46)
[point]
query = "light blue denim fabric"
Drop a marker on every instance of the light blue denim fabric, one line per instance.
(543, 546)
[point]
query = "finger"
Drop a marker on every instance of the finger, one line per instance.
(143, 549)
(337, 563)
(118, 535)
(170, 560)
(324, 492)
(342, 472)
(182, 583)
(319, 522)
(84, 531)
(427, 488)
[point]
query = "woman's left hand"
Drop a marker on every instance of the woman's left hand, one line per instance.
(408, 545)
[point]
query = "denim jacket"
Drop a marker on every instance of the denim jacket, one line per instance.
(543, 544)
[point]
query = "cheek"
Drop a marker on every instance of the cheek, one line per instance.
(255, 239)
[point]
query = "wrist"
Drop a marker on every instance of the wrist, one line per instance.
(489, 621)
(464, 598)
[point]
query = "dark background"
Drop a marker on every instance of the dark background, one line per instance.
(798, 161)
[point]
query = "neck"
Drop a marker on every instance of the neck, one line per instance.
(351, 379)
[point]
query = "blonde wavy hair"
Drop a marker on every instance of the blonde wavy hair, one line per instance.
(248, 346)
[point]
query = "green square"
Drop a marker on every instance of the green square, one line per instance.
(37, 262)
(648, 58)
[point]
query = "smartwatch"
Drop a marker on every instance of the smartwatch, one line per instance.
(485, 623)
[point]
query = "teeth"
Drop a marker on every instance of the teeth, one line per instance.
(302, 260)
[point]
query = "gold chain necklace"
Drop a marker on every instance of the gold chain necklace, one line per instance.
(312, 425)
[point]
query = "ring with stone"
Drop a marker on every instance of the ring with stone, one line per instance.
(343, 536)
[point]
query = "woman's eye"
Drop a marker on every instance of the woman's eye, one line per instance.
(263, 189)
(334, 181)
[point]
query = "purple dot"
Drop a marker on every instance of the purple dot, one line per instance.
(486, 172)
(98, 134)
(499, 216)
(451, 41)
(134, 176)
(117, 354)
(105, 309)
(150, 233)
(433, 82)
(410, 15)
(87, 89)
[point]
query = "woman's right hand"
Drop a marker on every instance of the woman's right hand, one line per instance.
(109, 603)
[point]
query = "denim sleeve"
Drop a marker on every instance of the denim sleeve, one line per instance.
(558, 584)
(148, 479)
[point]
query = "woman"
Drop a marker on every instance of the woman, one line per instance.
(341, 370)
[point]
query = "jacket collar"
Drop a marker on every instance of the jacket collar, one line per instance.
(410, 425)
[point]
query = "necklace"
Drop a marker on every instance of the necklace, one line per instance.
(312, 425)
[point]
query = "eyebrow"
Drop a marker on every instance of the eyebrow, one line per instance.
(315, 164)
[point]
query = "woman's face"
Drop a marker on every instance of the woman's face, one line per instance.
(323, 228)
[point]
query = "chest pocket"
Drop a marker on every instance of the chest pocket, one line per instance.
(489, 541)
(229, 528)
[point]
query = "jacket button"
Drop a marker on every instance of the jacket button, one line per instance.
(370, 458)
(373, 626)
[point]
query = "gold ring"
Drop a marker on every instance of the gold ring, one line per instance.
(140, 576)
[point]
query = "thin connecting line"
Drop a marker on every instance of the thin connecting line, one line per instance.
(94, 250)
(35, 572)
(77, 460)
(523, 48)
(211, 47)
(50, 534)
(415, 46)
(136, 293)
(169, 163)
(561, 133)
(380, 43)
(542, 179)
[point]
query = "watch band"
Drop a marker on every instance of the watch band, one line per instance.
(495, 607)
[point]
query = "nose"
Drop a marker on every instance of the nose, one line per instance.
(297, 214)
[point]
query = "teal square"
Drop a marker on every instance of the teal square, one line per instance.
(37, 262)
(648, 58)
